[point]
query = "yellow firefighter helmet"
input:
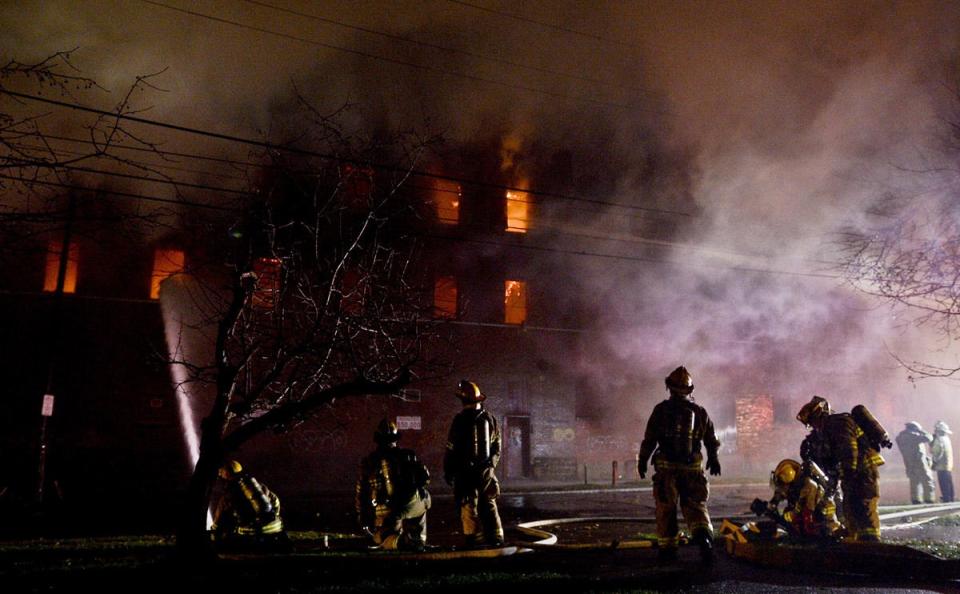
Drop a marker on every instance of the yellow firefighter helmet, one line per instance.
(469, 392)
(679, 381)
(387, 432)
(785, 473)
(230, 470)
(813, 410)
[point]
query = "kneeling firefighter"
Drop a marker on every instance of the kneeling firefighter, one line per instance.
(806, 489)
(248, 513)
(675, 431)
(391, 494)
(855, 439)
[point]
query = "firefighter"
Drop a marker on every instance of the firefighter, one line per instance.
(391, 494)
(855, 451)
(806, 489)
(473, 450)
(816, 449)
(675, 431)
(248, 513)
(942, 452)
(912, 442)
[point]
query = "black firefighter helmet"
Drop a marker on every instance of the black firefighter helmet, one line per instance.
(679, 381)
(387, 432)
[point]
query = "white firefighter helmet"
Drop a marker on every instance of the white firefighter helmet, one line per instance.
(914, 426)
(942, 428)
(679, 381)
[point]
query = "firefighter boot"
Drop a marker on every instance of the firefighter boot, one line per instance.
(704, 541)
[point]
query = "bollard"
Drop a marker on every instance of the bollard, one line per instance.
(613, 482)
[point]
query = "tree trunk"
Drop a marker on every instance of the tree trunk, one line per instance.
(193, 541)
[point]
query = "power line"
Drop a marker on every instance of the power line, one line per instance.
(144, 178)
(540, 248)
(400, 62)
(441, 47)
(331, 157)
(524, 246)
(29, 182)
(634, 240)
(168, 153)
(545, 25)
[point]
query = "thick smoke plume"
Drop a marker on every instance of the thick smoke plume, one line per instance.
(768, 125)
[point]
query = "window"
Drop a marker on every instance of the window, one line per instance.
(166, 263)
(267, 271)
(52, 271)
(445, 195)
(518, 211)
(445, 297)
(515, 302)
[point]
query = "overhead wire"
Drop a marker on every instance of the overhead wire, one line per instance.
(332, 157)
(528, 20)
(439, 47)
(236, 162)
(444, 237)
(424, 67)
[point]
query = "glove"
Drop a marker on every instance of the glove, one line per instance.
(642, 469)
(886, 443)
(713, 465)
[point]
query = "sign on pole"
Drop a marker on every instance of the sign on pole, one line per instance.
(406, 423)
(47, 408)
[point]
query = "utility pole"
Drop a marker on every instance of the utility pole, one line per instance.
(54, 350)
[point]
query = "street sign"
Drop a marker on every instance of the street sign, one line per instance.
(47, 408)
(405, 423)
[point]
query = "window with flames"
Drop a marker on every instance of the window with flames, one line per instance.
(515, 302)
(267, 272)
(167, 263)
(52, 269)
(445, 297)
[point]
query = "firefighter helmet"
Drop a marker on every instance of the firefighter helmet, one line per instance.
(913, 426)
(942, 428)
(387, 432)
(680, 381)
(230, 470)
(469, 392)
(813, 410)
(785, 473)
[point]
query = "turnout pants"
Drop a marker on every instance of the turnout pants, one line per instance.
(688, 487)
(477, 494)
(861, 493)
(403, 526)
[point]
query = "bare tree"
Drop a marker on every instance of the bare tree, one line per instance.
(906, 251)
(46, 162)
(317, 304)
(304, 283)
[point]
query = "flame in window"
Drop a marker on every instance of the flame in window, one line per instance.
(445, 297)
(267, 271)
(515, 302)
(52, 270)
(166, 263)
(446, 196)
(518, 211)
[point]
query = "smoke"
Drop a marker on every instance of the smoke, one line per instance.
(770, 124)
